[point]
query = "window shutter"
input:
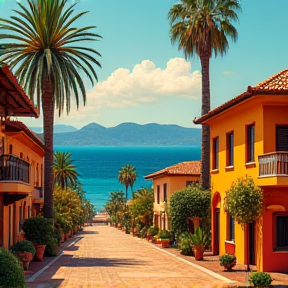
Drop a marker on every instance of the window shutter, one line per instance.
(281, 138)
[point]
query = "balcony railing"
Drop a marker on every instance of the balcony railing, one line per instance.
(273, 164)
(13, 168)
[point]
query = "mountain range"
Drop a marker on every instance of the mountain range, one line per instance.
(125, 134)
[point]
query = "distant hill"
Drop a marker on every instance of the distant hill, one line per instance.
(57, 129)
(129, 134)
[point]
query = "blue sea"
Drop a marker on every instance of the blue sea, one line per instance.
(99, 166)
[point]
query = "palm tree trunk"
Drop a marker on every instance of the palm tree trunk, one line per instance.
(205, 151)
(48, 123)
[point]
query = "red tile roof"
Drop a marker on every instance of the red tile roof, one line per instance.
(14, 101)
(17, 126)
(183, 168)
(275, 85)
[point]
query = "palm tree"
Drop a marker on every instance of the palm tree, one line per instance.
(47, 59)
(65, 174)
(201, 27)
(127, 176)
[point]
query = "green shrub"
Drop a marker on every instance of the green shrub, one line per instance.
(227, 259)
(11, 272)
(164, 234)
(153, 230)
(24, 246)
(51, 247)
(201, 237)
(185, 243)
(38, 229)
(260, 279)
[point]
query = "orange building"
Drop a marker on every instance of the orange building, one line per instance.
(249, 136)
(166, 182)
(21, 161)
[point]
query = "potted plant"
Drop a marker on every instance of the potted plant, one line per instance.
(152, 231)
(25, 251)
(260, 279)
(201, 240)
(228, 261)
(164, 236)
(38, 230)
(185, 243)
(11, 272)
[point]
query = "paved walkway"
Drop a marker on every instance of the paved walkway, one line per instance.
(103, 256)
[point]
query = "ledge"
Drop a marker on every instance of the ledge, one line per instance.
(229, 168)
(250, 165)
(214, 171)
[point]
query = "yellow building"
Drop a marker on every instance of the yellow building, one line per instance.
(249, 136)
(166, 182)
(21, 161)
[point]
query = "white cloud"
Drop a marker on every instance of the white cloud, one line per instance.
(227, 72)
(146, 83)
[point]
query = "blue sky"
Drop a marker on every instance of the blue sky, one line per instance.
(145, 79)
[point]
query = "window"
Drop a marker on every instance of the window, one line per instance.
(230, 149)
(281, 233)
(20, 218)
(250, 138)
(158, 194)
(281, 138)
(215, 151)
(230, 228)
(165, 192)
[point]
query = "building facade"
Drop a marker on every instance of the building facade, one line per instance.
(168, 181)
(249, 137)
(21, 161)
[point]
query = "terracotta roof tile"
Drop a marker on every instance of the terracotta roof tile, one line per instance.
(275, 85)
(183, 168)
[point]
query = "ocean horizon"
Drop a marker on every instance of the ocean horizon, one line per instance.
(98, 166)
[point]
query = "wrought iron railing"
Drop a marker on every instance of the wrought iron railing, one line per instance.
(14, 169)
(273, 164)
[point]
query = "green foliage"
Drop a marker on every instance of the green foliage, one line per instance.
(201, 237)
(153, 230)
(244, 201)
(260, 279)
(11, 272)
(127, 176)
(24, 246)
(227, 259)
(185, 243)
(38, 229)
(51, 247)
(190, 202)
(65, 174)
(164, 234)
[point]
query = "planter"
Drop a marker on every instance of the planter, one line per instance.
(229, 266)
(62, 238)
(25, 258)
(198, 252)
(39, 252)
(165, 243)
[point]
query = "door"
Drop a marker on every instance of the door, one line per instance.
(251, 243)
(216, 230)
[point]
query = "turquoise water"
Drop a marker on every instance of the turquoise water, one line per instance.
(99, 166)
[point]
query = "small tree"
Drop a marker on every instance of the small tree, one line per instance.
(244, 201)
(190, 202)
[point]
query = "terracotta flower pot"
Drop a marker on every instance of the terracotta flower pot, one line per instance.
(165, 243)
(25, 258)
(198, 252)
(229, 266)
(39, 252)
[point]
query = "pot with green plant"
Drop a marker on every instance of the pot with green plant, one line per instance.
(11, 272)
(39, 231)
(201, 241)
(152, 231)
(185, 243)
(228, 261)
(164, 236)
(25, 252)
(260, 279)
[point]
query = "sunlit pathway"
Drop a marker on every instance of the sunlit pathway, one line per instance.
(107, 257)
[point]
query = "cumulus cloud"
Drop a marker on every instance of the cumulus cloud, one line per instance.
(146, 83)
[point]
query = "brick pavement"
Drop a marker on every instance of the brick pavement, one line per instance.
(103, 256)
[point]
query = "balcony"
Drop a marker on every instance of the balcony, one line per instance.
(13, 168)
(274, 166)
